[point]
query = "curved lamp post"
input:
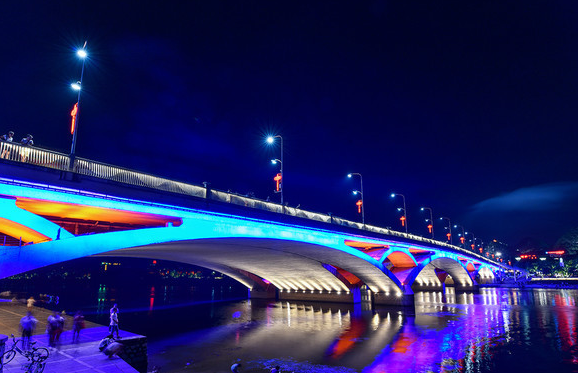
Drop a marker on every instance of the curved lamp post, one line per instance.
(463, 239)
(355, 192)
(430, 220)
(449, 227)
(473, 240)
(393, 195)
(271, 140)
(82, 54)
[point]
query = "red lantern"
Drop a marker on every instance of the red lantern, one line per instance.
(359, 204)
(277, 179)
(73, 115)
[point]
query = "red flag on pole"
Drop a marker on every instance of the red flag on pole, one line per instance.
(277, 179)
(73, 115)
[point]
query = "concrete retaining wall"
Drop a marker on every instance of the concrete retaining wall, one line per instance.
(135, 352)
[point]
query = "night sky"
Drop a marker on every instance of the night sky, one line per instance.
(466, 107)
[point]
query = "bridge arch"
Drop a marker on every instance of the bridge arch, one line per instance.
(484, 274)
(256, 252)
(425, 275)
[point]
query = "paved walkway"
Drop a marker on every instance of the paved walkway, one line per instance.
(68, 357)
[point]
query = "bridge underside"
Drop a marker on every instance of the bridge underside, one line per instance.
(276, 268)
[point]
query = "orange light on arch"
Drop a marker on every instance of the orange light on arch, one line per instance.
(17, 230)
(83, 212)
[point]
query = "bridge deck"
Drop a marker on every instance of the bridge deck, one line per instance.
(83, 357)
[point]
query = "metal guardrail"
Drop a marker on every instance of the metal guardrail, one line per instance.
(27, 154)
(60, 161)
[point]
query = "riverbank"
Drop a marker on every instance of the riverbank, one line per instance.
(538, 283)
(69, 357)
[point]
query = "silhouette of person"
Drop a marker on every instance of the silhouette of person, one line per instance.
(77, 326)
(24, 153)
(28, 324)
(113, 328)
(6, 148)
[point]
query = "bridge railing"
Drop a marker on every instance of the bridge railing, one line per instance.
(123, 175)
(40, 157)
(47, 158)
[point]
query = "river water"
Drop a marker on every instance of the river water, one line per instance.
(206, 327)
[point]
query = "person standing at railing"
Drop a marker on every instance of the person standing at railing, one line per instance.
(6, 138)
(27, 141)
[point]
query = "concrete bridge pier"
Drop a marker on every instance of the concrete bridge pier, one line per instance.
(405, 298)
(269, 293)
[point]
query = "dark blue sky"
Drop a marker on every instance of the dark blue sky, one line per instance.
(466, 107)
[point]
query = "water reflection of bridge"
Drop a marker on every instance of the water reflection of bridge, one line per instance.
(53, 211)
(447, 332)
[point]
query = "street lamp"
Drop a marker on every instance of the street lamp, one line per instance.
(463, 236)
(362, 207)
(473, 240)
(404, 217)
(281, 181)
(430, 226)
(449, 228)
(82, 54)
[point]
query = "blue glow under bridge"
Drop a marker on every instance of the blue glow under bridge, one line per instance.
(51, 212)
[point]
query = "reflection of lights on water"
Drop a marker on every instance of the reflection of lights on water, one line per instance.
(152, 298)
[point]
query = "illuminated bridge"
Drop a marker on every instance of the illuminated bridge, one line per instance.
(51, 212)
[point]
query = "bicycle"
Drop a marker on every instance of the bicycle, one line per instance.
(36, 355)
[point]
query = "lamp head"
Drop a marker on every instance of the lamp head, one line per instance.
(76, 86)
(81, 53)
(273, 161)
(392, 195)
(349, 176)
(270, 139)
(355, 192)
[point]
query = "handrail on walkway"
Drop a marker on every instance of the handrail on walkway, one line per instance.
(59, 161)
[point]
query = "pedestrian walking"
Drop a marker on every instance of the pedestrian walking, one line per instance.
(113, 327)
(77, 326)
(60, 327)
(52, 327)
(30, 303)
(28, 324)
